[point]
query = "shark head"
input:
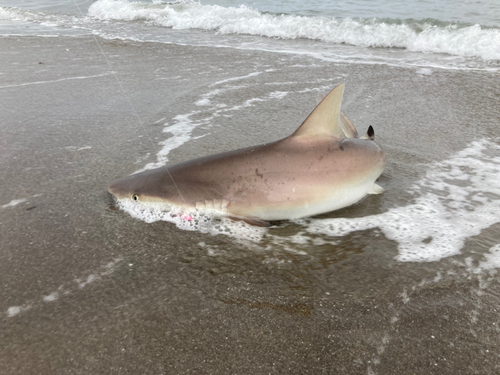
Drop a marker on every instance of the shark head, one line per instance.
(148, 188)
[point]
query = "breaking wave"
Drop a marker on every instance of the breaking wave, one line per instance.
(413, 35)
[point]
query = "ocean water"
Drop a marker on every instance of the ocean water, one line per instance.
(463, 35)
(456, 199)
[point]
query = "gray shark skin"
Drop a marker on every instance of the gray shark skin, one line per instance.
(323, 166)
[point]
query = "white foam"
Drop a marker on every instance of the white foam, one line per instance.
(492, 259)
(14, 202)
(456, 199)
(420, 36)
(55, 81)
(51, 297)
(206, 99)
(90, 279)
(424, 71)
(13, 311)
(180, 132)
(278, 94)
(203, 102)
(205, 221)
(254, 74)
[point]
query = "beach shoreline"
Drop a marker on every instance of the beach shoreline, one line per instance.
(88, 289)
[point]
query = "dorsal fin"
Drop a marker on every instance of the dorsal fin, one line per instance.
(325, 119)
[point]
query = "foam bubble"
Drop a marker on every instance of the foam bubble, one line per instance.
(205, 221)
(492, 259)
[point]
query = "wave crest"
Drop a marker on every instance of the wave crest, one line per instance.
(417, 36)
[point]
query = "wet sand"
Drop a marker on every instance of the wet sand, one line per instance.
(86, 289)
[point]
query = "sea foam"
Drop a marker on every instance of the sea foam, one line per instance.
(205, 221)
(419, 36)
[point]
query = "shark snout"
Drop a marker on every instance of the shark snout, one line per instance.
(116, 189)
(144, 186)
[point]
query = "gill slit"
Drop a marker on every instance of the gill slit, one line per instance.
(130, 103)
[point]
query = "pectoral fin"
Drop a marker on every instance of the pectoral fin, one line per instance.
(376, 189)
(251, 220)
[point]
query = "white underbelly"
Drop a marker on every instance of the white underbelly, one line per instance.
(319, 203)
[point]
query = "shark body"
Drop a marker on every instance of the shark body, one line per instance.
(323, 166)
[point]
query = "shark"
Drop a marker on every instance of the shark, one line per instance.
(323, 166)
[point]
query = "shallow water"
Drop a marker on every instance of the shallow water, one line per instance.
(455, 199)
(353, 289)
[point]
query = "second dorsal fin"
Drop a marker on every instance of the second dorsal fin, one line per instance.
(325, 120)
(347, 126)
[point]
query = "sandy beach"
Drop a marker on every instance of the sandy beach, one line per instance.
(87, 289)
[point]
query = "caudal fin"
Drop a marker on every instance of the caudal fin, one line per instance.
(370, 134)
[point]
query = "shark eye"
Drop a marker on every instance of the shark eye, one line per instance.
(135, 197)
